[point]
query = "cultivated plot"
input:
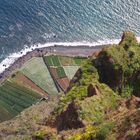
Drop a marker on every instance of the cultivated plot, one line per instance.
(70, 71)
(14, 98)
(36, 70)
(52, 60)
(21, 79)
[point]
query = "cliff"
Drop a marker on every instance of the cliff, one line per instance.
(102, 101)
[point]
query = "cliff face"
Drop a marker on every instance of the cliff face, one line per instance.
(100, 102)
(119, 65)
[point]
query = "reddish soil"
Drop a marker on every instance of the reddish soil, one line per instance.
(63, 83)
(53, 71)
(28, 83)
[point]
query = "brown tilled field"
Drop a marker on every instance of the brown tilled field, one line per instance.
(63, 83)
(53, 71)
(28, 83)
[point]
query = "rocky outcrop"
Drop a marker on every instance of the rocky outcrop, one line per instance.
(75, 79)
(92, 90)
(69, 119)
(119, 65)
(128, 39)
(107, 73)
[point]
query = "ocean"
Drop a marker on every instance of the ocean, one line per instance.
(26, 24)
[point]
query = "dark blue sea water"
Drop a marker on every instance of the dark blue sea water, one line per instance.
(27, 22)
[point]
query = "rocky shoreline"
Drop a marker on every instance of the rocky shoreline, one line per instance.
(58, 50)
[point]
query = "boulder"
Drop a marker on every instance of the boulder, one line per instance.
(69, 119)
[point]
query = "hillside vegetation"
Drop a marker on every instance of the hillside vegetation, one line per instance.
(101, 103)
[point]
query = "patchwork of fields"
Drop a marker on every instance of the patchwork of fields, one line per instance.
(37, 78)
(21, 79)
(36, 70)
(62, 69)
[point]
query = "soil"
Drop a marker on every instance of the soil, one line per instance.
(28, 83)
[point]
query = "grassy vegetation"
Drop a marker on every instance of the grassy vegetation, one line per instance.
(65, 61)
(36, 70)
(93, 132)
(78, 60)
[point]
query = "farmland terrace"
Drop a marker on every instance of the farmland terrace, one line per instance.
(39, 77)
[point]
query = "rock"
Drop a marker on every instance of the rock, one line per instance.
(69, 119)
(92, 90)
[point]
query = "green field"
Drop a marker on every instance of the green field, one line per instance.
(66, 66)
(14, 98)
(70, 71)
(57, 61)
(52, 60)
(36, 70)
(61, 72)
(78, 60)
(65, 60)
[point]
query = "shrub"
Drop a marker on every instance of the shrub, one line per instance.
(104, 131)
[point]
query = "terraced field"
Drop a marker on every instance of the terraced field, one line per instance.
(70, 71)
(36, 70)
(62, 68)
(66, 60)
(21, 79)
(61, 72)
(70, 61)
(38, 77)
(52, 60)
(14, 98)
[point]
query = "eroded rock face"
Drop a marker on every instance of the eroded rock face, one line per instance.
(69, 119)
(92, 90)
(119, 65)
(105, 65)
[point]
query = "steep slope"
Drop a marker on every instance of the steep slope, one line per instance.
(119, 65)
(99, 104)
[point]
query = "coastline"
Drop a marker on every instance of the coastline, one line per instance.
(79, 50)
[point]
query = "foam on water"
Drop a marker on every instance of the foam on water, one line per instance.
(13, 57)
